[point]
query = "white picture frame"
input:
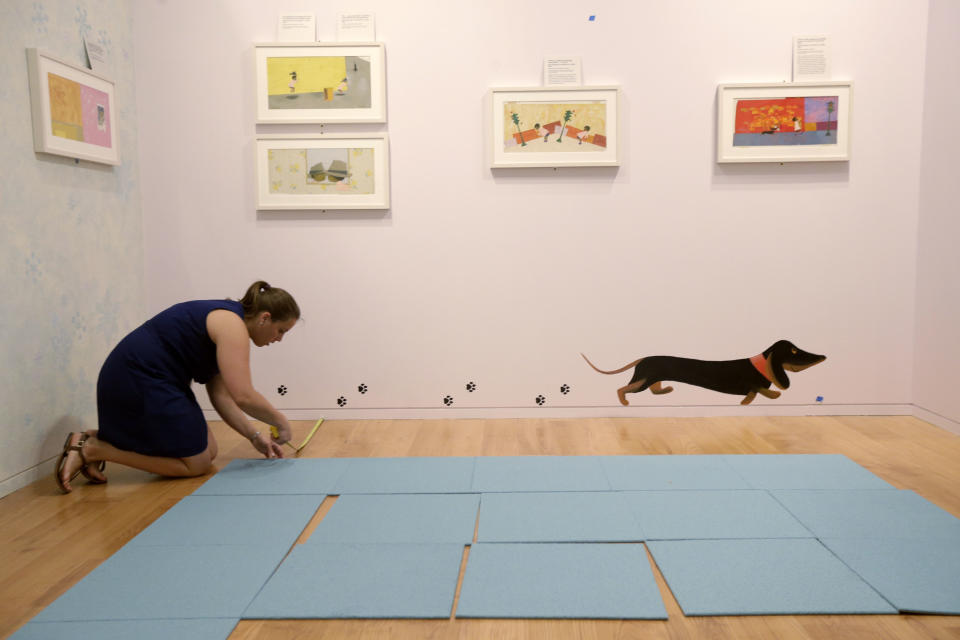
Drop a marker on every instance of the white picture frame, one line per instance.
(529, 126)
(785, 122)
(73, 110)
(320, 83)
(322, 172)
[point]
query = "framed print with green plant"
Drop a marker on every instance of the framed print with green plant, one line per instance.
(555, 127)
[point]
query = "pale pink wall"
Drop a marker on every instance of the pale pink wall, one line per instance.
(938, 258)
(503, 278)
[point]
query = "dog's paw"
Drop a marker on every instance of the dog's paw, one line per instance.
(541, 401)
(282, 390)
(471, 387)
(341, 401)
(448, 400)
(565, 389)
(362, 388)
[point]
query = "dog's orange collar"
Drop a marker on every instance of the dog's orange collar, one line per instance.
(760, 364)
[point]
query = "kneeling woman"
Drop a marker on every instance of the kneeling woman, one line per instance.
(148, 416)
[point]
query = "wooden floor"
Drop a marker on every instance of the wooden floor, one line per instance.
(48, 542)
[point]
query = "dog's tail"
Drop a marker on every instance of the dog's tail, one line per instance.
(620, 370)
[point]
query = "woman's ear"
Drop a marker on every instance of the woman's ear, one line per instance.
(264, 316)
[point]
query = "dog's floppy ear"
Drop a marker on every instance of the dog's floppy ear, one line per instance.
(775, 356)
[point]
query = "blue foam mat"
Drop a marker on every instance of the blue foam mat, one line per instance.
(895, 540)
(407, 475)
(539, 473)
(917, 576)
(559, 581)
(276, 476)
(892, 514)
(196, 629)
(399, 518)
(169, 582)
(557, 517)
(362, 581)
(685, 515)
(804, 471)
(666, 472)
(762, 577)
(230, 520)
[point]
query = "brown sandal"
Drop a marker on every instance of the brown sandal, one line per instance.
(67, 448)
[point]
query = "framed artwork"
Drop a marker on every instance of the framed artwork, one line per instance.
(73, 109)
(323, 171)
(320, 83)
(555, 127)
(799, 122)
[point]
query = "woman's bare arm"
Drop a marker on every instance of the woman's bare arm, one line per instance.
(230, 335)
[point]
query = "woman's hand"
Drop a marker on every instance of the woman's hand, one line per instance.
(265, 445)
(283, 433)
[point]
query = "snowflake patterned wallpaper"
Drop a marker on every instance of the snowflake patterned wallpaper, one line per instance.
(71, 241)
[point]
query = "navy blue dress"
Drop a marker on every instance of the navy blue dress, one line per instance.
(144, 400)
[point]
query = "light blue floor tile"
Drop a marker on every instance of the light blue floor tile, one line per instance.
(559, 581)
(642, 473)
(362, 581)
(399, 518)
(142, 583)
(278, 476)
(539, 473)
(198, 629)
(893, 514)
(685, 515)
(787, 471)
(557, 517)
(407, 475)
(917, 576)
(226, 520)
(762, 577)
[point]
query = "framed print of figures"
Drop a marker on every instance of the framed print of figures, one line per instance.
(555, 127)
(325, 171)
(320, 83)
(799, 122)
(73, 109)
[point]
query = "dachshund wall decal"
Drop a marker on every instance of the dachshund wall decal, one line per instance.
(745, 376)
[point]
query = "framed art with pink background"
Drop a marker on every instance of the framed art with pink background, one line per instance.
(74, 110)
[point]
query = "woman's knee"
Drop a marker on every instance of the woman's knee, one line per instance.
(198, 465)
(212, 447)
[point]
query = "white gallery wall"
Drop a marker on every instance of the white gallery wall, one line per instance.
(502, 278)
(938, 283)
(495, 278)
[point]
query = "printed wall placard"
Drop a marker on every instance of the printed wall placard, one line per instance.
(73, 110)
(303, 83)
(551, 127)
(323, 172)
(784, 123)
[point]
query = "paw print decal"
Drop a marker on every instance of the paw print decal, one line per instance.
(541, 401)
(448, 400)
(565, 389)
(471, 387)
(362, 388)
(341, 401)
(282, 390)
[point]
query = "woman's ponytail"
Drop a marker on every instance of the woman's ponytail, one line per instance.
(260, 297)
